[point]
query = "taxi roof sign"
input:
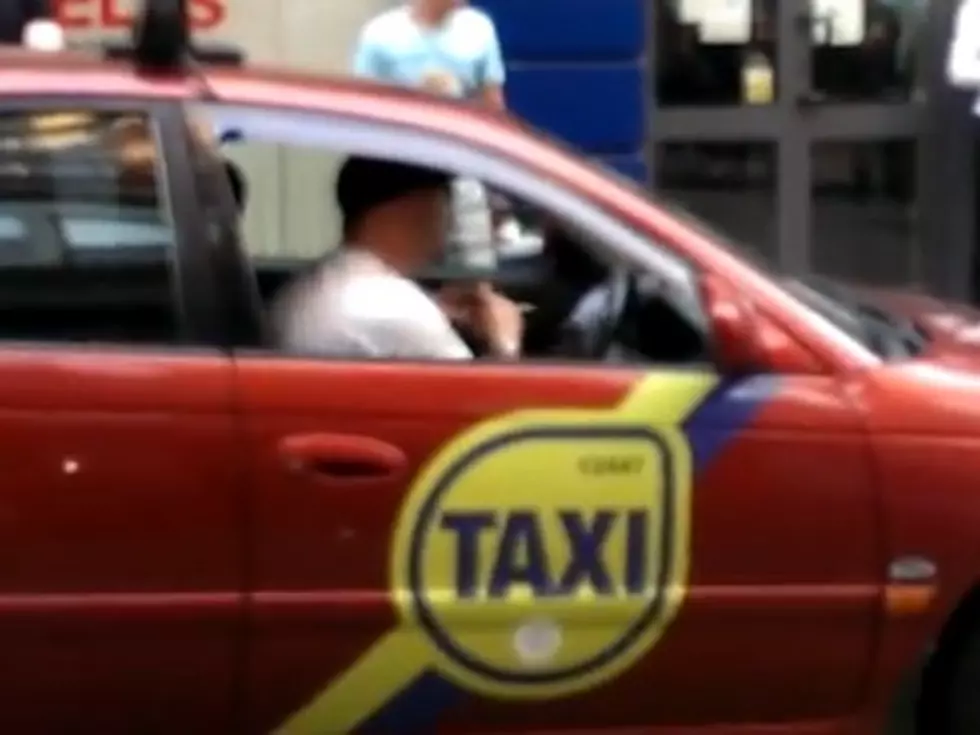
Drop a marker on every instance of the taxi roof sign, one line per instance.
(161, 41)
(161, 34)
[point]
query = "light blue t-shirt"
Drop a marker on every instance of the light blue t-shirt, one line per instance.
(459, 58)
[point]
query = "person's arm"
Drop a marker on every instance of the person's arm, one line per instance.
(492, 318)
(502, 324)
(963, 61)
(412, 337)
(423, 330)
(493, 72)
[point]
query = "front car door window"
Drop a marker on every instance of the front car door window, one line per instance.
(312, 149)
(120, 509)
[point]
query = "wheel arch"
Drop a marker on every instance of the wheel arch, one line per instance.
(923, 694)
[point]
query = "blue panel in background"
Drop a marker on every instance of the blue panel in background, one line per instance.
(600, 109)
(569, 30)
(576, 69)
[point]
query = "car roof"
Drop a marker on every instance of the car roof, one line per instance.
(82, 69)
(86, 72)
(26, 73)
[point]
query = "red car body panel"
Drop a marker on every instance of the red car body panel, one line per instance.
(168, 570)
(738, 584)
(300, 585)
(120, 513)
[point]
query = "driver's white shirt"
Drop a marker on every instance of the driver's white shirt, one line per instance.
(353, 305)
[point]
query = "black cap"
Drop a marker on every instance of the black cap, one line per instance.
(365, 183)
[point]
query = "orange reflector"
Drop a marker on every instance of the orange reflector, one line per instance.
(908, 599)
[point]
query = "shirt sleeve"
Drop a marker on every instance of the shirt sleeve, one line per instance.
(413, 327)
(368, 58)
(418, 339)
(494, 73)
(963, 62)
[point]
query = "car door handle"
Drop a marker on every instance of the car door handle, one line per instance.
(341, 456)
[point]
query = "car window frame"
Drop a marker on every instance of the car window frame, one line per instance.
(397, 141)
(227, 303)
(191, 287)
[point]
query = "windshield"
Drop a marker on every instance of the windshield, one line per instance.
(888, 335)
(885, 333)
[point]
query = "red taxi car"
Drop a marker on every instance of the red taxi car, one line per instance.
(741, 504)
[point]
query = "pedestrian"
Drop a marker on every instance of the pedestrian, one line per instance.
(31, 23)
(449, 48)
(445, 46)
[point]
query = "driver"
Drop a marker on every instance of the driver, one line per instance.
(363, 303)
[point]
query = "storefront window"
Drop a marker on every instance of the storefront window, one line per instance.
(716, 52)
(873, 54)
(724, 52)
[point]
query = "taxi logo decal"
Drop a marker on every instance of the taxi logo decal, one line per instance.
(538, 554)
(492, 547)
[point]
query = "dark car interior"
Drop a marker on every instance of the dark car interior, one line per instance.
(57, 283)
(129, 304)
(576, 306)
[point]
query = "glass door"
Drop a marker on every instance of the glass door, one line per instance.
(718, 119)
(802, 127)
(863, 117)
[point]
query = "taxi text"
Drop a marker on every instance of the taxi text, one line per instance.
(519, 555)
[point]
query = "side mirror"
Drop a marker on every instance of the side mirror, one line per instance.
(734, 328)
(230, 135)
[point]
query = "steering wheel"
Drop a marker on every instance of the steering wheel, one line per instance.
(590, 329)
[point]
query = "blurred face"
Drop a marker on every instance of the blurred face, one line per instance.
(425, 215)
(437, 8)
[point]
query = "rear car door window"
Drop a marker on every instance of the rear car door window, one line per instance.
(87, 240)
(120, 438)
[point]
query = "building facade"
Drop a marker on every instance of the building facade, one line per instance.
(822, 133)
(819, 133)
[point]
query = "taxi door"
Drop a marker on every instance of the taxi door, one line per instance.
(120, 561)
(487, 548)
